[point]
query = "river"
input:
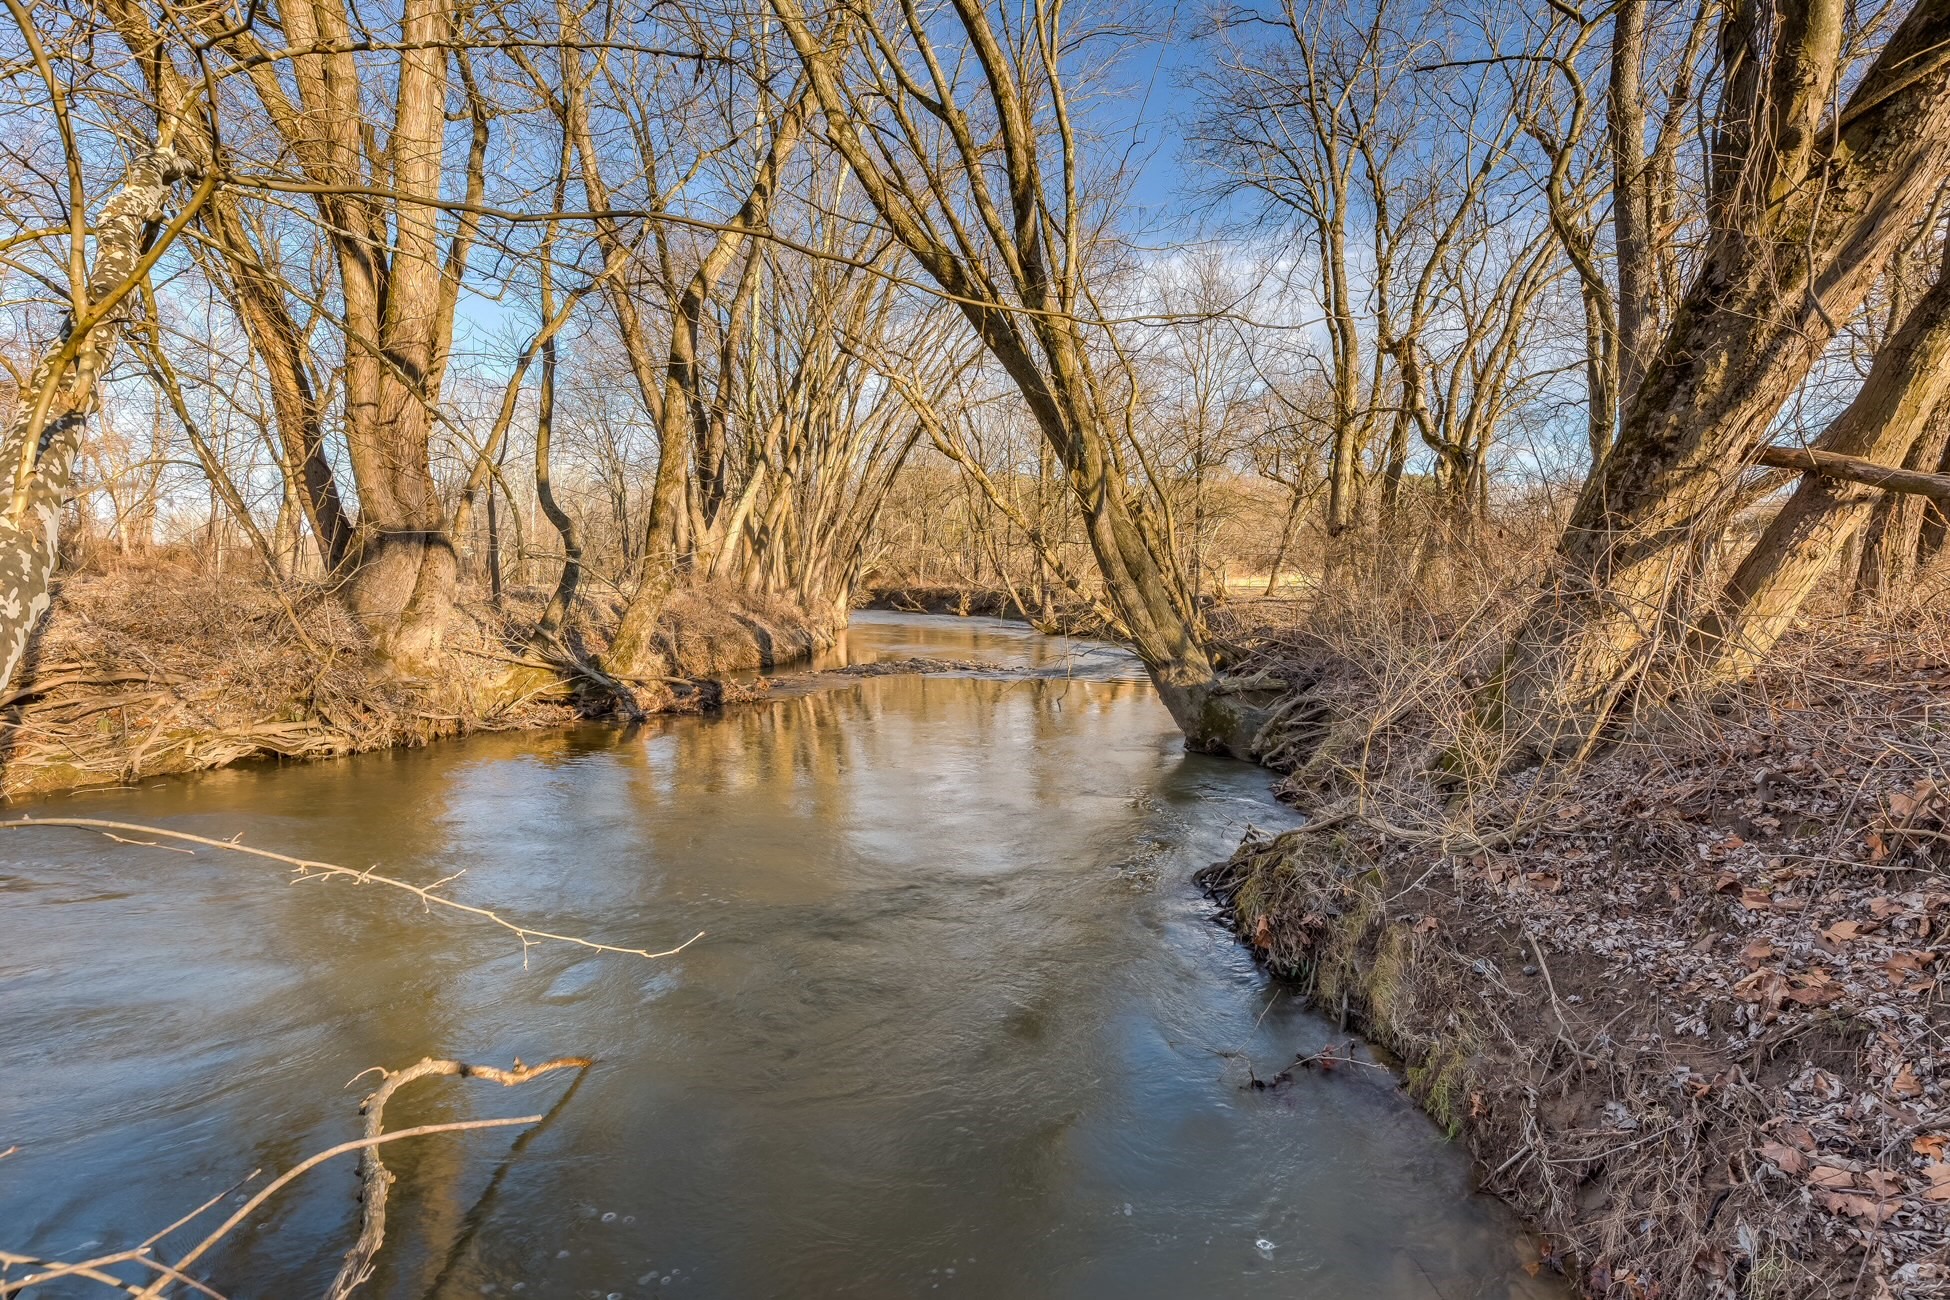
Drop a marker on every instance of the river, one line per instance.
(959, 1024)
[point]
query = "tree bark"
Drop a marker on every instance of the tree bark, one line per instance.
(41, 441)
(1804, 221)
(1892, 541)
(1905, 385)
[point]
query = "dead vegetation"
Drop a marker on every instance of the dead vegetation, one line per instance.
(1682, 998)
(160, 664)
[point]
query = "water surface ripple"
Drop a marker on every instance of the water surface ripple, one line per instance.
(960, 1025)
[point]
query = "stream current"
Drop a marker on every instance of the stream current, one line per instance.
(960, 1024)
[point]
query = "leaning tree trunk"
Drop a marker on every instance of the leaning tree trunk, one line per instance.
(1801, 542)
(1805, 215)
(1892, 544)
(41, 442)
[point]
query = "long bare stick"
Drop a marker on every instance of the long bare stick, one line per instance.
(272, 1188)
(309, 869)
(377, 1181)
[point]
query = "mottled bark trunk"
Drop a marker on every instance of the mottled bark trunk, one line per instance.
(1804, 221)
(41, 441)
(1802, 541)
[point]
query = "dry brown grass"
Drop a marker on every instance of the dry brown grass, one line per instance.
(1683, 997)
(158, 664)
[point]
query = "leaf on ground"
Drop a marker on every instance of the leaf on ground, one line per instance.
(1830, 1176)
(1856, 1207)
(1902, 964)
(1938, 1172)
(1884, 1182)
(1784, 1158)
(1906, 1084)
(1815, 989)
(1843, 931)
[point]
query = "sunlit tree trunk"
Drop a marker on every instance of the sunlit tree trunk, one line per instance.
(38, 449)
(1801, 543)
(1805, 216)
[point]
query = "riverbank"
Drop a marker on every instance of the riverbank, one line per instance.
(1684, 1004)
(1063, 615)
(162, 667)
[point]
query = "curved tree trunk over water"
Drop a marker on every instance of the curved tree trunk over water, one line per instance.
(1006, 242)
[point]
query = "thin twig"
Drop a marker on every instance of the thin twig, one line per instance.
(309, 869)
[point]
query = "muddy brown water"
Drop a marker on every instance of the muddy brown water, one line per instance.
(960, 1024)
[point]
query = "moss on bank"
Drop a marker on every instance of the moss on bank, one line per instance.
(1674, 1128)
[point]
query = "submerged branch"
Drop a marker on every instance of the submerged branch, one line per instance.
(376, 1180)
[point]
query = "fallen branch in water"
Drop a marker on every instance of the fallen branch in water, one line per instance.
(376, 1180)
(308, 869)
(94, 1269)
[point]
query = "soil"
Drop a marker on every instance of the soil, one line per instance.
(1685, 1005)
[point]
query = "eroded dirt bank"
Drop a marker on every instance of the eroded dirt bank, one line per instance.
(161, 668)
(1685, 1006)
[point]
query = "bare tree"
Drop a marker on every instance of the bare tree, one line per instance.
(978, 169)
(1806, 204)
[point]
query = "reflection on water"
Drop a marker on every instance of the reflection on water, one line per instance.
(959, 1024)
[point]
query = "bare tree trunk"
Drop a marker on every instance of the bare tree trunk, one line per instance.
(494, 540)
(1801, 542)
(1892, 544)
(40, 444)
(1804, 220)
(563, 599)
(1024, 230)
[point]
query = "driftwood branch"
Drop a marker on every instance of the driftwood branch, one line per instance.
(376, 1180)
(278, 1184)
(308, 869)
(96, 1269)
(1858, 469)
